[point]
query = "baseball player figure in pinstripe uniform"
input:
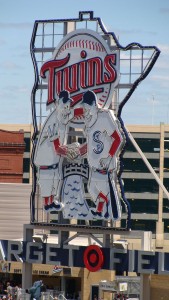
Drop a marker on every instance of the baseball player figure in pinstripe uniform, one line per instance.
(51, 149)
(104, 143)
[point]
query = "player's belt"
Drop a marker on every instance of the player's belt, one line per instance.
(51, 167)
(104, 171)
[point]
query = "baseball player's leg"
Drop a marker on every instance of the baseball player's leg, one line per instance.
(57, 184)
(99, 190)
(115, 198)
(92, 188)
(46, 185)
(104, 203)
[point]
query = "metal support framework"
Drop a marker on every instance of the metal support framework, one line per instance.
(83, 230)
(91, 236)
(159, 181)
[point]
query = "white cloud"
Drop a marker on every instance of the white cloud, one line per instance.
(120, 32)
(162, 64)
(164, 49)
(21, 26)
(164, 10)
(23, 90)
(10, 65)
(14, 91)
(163, 81)
(2, 42)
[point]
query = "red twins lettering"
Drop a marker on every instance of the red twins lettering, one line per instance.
(88, 73)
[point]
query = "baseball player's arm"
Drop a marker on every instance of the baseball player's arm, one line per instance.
(116, 143)
(70, 151)
(105, 162)
(60, 150)
(83, 149)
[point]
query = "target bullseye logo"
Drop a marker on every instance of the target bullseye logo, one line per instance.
(93, 258)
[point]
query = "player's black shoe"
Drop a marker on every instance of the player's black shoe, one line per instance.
(56, 206)
(106, 216)
(96, 213)
(107, 213)
(46, 208)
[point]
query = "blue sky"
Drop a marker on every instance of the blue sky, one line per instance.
(143, 21)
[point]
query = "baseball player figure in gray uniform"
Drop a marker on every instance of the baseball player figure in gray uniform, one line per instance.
(104, 143)
(51, 149)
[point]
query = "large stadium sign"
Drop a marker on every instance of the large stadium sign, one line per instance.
(93, 257)
(79, 146)
(81, 79)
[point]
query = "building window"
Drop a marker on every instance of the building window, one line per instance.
(26, 165)
(148, 144)
(144, 206)
(27, 144)
(134, 165)
(140, 185)
(145, 225)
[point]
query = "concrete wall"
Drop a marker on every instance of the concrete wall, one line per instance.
(159, 287)
(14, 209)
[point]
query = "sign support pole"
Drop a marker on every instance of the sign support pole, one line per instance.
(27, 267)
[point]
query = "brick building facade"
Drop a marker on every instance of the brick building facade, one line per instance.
(12, 148)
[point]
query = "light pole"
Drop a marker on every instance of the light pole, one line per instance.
(160, 223)
(153, 111)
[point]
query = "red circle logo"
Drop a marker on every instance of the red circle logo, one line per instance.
(93, 258)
